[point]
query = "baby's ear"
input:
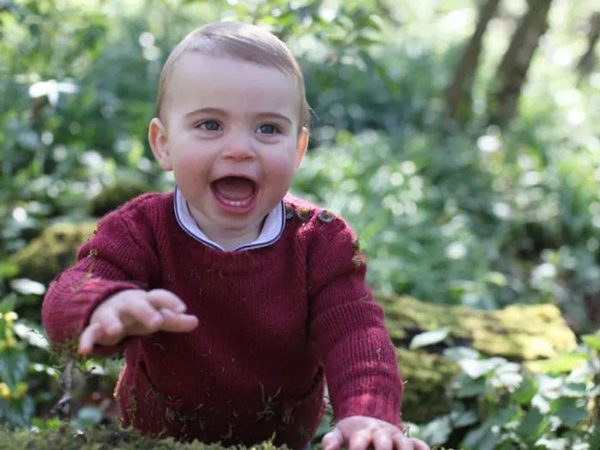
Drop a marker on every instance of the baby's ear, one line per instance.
(302, 145)
(159, 143)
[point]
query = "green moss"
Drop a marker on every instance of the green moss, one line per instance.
(103, 438)
(521, 332)
(425, 379)
(53, 251)
(115, 195)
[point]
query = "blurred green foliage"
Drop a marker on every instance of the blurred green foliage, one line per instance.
(451, 213)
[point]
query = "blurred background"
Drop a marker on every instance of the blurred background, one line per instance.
(460, 138)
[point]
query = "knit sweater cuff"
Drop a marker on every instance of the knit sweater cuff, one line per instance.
(370, 405)
(78, 310)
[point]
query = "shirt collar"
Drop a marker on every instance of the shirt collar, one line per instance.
(271, 231)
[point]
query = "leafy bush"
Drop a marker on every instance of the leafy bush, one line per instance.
(500, 405)
(24, 382)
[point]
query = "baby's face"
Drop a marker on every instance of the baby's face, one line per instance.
(231, 137)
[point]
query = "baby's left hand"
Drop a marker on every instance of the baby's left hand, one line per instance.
(361, 432)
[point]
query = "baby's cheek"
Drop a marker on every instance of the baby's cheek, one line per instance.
(280, 168)
(190, 169)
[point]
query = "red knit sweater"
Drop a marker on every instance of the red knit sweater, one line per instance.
(271, 321)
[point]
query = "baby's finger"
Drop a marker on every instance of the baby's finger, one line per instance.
(161, 298)
(401, 442)
(382, 440)
(140, 315)
(178, 323)
(88, 338)
(419, 445)
(333, 440)
(360, 440)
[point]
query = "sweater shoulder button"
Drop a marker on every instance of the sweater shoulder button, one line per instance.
(325, 216)
(304, 213)
(289, 211)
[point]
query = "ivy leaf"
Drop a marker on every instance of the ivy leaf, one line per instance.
(429, 338)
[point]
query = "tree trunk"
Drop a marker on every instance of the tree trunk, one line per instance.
(588, 60)
(458, 94)
(511, 74)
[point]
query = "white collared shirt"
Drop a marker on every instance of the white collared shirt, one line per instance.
(272, 228)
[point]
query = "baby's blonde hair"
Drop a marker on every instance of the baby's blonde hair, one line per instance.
(239, 41)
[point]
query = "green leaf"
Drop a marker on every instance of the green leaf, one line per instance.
(437, 431)
(463, 419)
(465, 386)
(13, 367)
(481, 438)
(526, 390)
(26, 286)
(87, 417)
(475, 368)
(594, 437)
(458, 353)
(17, 412)
(33, 335)
(533, 426)
(429, 338)
(487, 436)
(592, 340)
(571, 411)
(496, 278)
(8, 269)
(558, 364)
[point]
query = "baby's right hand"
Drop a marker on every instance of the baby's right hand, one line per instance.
(135, 312)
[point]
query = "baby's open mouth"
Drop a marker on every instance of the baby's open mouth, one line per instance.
(234, 193)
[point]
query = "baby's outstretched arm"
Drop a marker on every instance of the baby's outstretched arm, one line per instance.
(361, 433)
(135, 312)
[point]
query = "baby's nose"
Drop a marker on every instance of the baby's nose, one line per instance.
(239, 149)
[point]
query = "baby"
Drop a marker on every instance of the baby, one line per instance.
(232, 300)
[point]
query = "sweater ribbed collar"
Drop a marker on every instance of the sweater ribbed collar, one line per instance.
(271, 231)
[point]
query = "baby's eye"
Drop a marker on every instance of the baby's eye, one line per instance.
(267, 128)
(209, 125)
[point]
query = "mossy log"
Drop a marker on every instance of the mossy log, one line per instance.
(52, 251)
(111, 197)
(520, 332)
